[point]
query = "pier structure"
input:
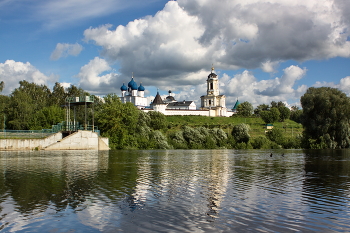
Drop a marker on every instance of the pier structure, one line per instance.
(72, 125)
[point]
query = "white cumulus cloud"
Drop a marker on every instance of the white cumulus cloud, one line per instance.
(185, 37)
(63, 50)
(11, 72)
(92, 79)
(283, 85)
(343, 85)
(246, 87)
(162, 47)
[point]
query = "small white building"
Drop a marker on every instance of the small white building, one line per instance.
(183, 105)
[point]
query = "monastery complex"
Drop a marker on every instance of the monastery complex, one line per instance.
(212, 104)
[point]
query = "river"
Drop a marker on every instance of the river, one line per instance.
(175, 191)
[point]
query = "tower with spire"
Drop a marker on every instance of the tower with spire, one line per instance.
(213, 101)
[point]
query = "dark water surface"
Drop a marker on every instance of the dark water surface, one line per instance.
(175, 191)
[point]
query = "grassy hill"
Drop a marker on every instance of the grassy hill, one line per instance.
(257, 125)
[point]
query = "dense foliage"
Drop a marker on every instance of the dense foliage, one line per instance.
(276, 112)
(326, 118)
(270, 116)
(32, 106)
(296, 114)
(245, 109)
(240, 133)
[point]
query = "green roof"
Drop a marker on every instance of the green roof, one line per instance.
(236, 105)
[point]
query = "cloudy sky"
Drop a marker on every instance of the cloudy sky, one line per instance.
(262, 50)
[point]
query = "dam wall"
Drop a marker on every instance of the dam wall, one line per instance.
(80, 140)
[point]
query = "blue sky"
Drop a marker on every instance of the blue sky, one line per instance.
(262, 50)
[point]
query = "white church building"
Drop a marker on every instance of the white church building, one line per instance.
(212, 104)
(134, 94)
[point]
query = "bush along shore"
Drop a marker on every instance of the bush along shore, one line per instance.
(129, 128)
(323, 122)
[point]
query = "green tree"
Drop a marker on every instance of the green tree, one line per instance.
(325, 117)
(48, 116)
(193, 137)
(278, 104)
(157, 120)
(245, 109)
(240, 133)
(159, 140)
(118, 121)
(260, 108)
(260, 142)
(58, 95)
(25, 101)
(2, 85)
(284, 113)
(270, 116)
(177, 140)
(275, 135)
(219, 136)
(20, 111)
(4, 102)
(296, 114)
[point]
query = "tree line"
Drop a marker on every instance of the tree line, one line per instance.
(324, 115)
(276, 111)
(35, 107)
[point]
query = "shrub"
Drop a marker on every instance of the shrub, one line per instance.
(241, 145)
(159, 140)
(157, 120)
(275, 135)
(219, 136)
(240, 133)
(292, 143)
(261, 142)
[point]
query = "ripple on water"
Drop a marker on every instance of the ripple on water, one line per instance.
(174, 191)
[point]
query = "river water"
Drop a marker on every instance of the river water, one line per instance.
(175, 191)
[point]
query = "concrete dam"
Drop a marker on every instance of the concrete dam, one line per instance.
(80, 140)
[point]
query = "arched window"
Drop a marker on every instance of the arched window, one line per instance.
(211, 86)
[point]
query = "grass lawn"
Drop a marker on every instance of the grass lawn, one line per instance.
(291, 128)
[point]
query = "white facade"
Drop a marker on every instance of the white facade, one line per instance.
(213, 100)
(134, 94)
(184, 105)
(212, 104)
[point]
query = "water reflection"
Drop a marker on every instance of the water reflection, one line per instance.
(175, 190)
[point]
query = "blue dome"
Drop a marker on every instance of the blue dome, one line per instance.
(141, 88)
(123, 88)
(132, 84)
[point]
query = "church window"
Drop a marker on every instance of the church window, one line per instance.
(211, 85)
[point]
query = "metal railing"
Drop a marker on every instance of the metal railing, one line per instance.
(80, 99)
(33, 134)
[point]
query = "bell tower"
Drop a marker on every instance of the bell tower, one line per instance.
(213, 101)
(213, 83)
